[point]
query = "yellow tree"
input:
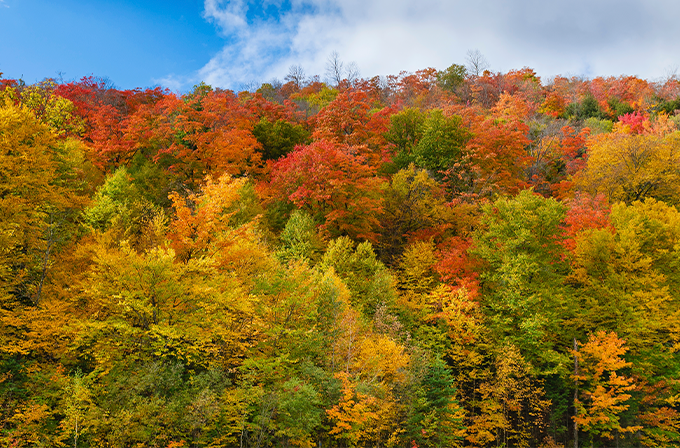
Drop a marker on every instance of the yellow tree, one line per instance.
(625, 277)
(216, 223)
(509, 405)
(28, 191)
(603, 389)
(633, 167)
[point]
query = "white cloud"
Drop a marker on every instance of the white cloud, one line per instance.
(591, 37)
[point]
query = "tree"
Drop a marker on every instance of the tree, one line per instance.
(334, 185)
(350, 120)
(300, 239)
(415, 209)
(367, 279)
(604, 390)
(337, 72)
(296, 75)
(208, 133)
(624, 274)
(52, 109)
(523, 280)
(219, 222)
(476, 63)
(510, 403)
(29, 193)
(632, 167)
(405, 131)
(278, 138)
(435, 419)
(441, 147)
(451, 78)
(495, 157)
(164, 308)
(587, 108)
(77, 400)
(334, 69)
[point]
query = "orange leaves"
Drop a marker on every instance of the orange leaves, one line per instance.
(353, 413)
(495, 155)
(604, 389)
(456, 267)
(334, 185)
(602, 353)
(344, 120)
(554, 104)
(350, 120)
(204, 227)
(195, 227)
(209, 134)
(111, 147)
(584, 212)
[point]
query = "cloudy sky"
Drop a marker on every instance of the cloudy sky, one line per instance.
(232, 44)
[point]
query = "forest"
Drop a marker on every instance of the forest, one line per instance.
(456, 258)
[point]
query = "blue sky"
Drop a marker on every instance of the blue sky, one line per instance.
(135, 44)
(235, 43)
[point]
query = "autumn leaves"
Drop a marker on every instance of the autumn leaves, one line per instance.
(393, 262)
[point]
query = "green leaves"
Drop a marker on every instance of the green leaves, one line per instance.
(524, 276)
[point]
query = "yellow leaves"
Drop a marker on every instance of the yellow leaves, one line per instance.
(381, 359)
(603, 389)
(629, 274)
(154, 302)
(458, 312)
(30, 198)
(205, 226)
(632, 167)
(51, 109)
(512, 403)
(418, 275)
(28, 421)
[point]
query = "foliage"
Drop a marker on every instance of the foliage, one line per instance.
(397, 261)
(604, 390)
(334, 185)
(279, 138)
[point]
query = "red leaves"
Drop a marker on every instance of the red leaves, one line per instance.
(585, 212)
(198, 136)
(636, 122)
(495, 155)
(334, 184)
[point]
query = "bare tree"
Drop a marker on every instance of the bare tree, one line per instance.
(296, 75)
(337, 71)
(476, 63)
(352, 72)
(334, 68)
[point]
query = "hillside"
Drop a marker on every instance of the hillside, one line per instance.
(429, 259)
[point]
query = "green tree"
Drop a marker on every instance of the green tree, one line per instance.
(299, 239)
(452, 77)
(405, 131)
(278, 138)
(435, 419)
(442, 144)
(368, 280)
(523, 280)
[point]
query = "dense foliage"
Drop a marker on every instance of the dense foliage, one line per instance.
(433, 259)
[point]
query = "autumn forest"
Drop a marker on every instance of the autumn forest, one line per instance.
(431, 259)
